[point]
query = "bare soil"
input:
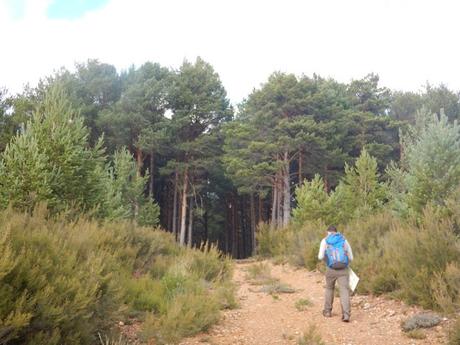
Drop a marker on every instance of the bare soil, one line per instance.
(273, 319)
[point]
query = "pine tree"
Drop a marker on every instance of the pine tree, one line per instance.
(432, 162)
(51, 161)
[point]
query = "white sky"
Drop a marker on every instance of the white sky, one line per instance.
(406, 42)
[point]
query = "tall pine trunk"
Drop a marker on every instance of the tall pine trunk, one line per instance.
(139, 160)
(174, 216)
(253, 224)
(260, 218)
(275, 202)
(300, 167)
(235, 226)
(152, 166)
(279, 206)
(190, 222)
(184, 209)
(287, 191)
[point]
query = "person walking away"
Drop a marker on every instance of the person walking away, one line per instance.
(337, 253)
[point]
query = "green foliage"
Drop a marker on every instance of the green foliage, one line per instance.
(419, 254)
(52, 290)
(125, 192)
(367, 237)
(64, 282)
(430, 169)
(361, 193)
(259, 274)
(446, 288)
(312, 202)
(454, 333)
(299, 245)
(271, 243)
(51, 161)
(187, 314)
(416, 334)
(277, 287)
(149, 213)
(358, 194)
(303, 304)
(310, 337)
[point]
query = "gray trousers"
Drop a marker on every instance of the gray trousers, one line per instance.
(342, 277)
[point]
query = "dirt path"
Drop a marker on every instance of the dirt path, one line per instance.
(262, 319)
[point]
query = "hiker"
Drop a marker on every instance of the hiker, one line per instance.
(336, 251)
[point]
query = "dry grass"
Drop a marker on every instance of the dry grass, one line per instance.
(310, 337)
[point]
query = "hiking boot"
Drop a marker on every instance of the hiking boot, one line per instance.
(345, 318)
(327, 313)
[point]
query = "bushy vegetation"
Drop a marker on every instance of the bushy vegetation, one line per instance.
(454, 334)
(64, 282)
(310, 337)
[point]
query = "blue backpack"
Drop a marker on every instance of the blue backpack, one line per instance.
(336, 255)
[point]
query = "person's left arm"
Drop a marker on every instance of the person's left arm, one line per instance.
(349, 251)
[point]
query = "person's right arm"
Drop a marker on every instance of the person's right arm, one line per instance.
(322, 250)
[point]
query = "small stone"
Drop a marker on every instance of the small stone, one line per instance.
(366, 306)
(121, 323)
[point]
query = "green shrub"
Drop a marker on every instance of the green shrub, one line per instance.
(277, 287)
(259, 274)
(146, 294)
(304, 244)
(416, 334)
(63, 283)
(49, 292)
(271, 242)
(367, 237)
(418, 255)
(310, 337)
(303, 304)
(226, 295)
(208, 263)
(446, 288)
(187, 314)
(454, 333)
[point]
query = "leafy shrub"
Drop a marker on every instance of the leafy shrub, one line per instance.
(208, 263)
(446, 288)
(149, 214)
(259, 274)
(358, 194)
(454, 333)
(271, 242)
(303, 304)
(310, 337)
(50, 293)
(418, 254)
(63, 283)
(277, 287)
(367, 237)
(304, 245)
(416, 334)
(226, 295)
(312, 202)
(299, 244)
(188, 313)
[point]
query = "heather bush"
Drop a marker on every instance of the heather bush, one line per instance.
(64, 282)
(454, 334)
(419, 254)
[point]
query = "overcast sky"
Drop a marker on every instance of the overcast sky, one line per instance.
(406, 42)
